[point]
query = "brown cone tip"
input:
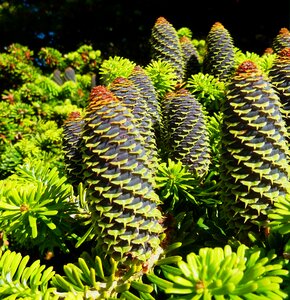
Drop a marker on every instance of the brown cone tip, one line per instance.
(99, 93)
(247, 67)
(120, 80)
(217, 25)
(161, 21)
(138, 69)
(284, 31)
(73, 116)
(285, 52)
(269, 50)
(184, 39)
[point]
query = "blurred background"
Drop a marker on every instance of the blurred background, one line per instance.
(123, 27)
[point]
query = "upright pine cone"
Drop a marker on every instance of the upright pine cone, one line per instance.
(188, 139)
(281, 40)
(120, 185)
(131, 96)
(165, 45)
(143, 82)
(190, 57)
(72, 138)
(254, 152)
(279, 75)
(219, 56)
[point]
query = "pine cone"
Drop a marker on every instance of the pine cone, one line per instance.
(254, 152)
(131, 96)
(121, 196)
(188, 139)
(219, 56)
(279, 75)
(72, 138)
(190, 57)
(281, 40)
(165, 45)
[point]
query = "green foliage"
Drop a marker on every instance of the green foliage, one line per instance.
(279, 215)
(97, 278)
(36, 209)
(51, 57)
(77, 172)
(200, 46)
(19, 280)
(221, 273)
(264, 62)
(184, 31)
(162, 75)
(175, 183)
(16, 67)
(85, 59)
(208, 90)
(114, 67)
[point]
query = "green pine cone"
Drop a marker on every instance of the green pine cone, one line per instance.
(219, 56)
(190, 57)
(188, 138)
(165, 45)
(254, 152)
(281, 40)
(130, 95)
(121, 197)
(279, 75)
(72, 131)
(145, 85)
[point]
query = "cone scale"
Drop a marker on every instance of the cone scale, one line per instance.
(188, 139)
(130, 95)
(165, 45)
(219, 57)
(254, 153)
(122, 201)
(279, 75)
(72, 130)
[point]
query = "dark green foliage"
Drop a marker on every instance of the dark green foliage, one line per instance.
(85, 59)
(188, 139)
(281, 40)
(72, 138)
(254, 153)
(136, 102)
(120, 184)
(219, 56)
(279, 76)
(165, 45)
(51, 58)
(190, 57)
(16, 67)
